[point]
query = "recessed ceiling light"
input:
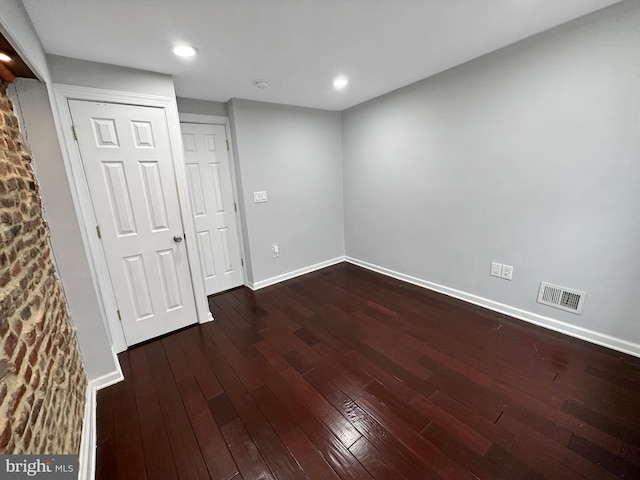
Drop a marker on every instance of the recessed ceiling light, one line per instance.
(340, 82)
(4, 57)
(184, 51)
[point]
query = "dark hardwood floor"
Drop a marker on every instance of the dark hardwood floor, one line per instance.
(346, 374)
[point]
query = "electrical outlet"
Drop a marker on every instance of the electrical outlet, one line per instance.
(259, 197)
(275, 251)
(496, 269)
(507, 272)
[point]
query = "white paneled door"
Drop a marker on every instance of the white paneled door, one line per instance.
(212, 201)
(128, 165)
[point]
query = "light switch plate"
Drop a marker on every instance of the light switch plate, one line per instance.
(259, 197)
(496, 269)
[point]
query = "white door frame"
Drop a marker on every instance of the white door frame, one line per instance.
(220, 120)
(84, 205)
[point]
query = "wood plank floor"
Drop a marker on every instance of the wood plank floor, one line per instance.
(346, 374)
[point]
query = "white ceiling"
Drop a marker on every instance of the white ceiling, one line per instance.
(299, 46)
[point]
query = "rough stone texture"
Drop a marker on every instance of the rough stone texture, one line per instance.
(42, 379)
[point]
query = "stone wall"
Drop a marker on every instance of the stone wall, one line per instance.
(42, 379)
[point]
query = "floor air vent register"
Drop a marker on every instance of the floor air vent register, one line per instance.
(561, 297)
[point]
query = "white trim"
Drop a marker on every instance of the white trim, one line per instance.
(205, 119)
(295, 273)
(110, 378)
(114, 96)
(83, 205)
(591, 336)
(236, 197)
(89, 441)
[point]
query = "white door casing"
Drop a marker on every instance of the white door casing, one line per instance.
(210, 179)
(128, 165)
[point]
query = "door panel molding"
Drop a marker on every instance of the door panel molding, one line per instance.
(84, 207)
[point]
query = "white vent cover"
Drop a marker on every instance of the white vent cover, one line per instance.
(560, 297)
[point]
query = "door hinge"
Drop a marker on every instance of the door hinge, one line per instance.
(235, 207)
(98, 230)
(227, 144)
(242, 262)
(75, 132)
(119, 316)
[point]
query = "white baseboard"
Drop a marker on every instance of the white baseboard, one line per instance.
(591, 336)
(110, 378)
(295, 273)
(87, 457)
(89, 441)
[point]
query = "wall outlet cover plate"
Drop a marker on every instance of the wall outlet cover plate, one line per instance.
(507, 272)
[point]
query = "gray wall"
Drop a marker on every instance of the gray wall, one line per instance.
(71, 71)
(295, 155)
(529, 156)
(202, 107)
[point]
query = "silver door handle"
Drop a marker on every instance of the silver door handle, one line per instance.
(177, 238)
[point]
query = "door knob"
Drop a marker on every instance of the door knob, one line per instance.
(177, 238)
